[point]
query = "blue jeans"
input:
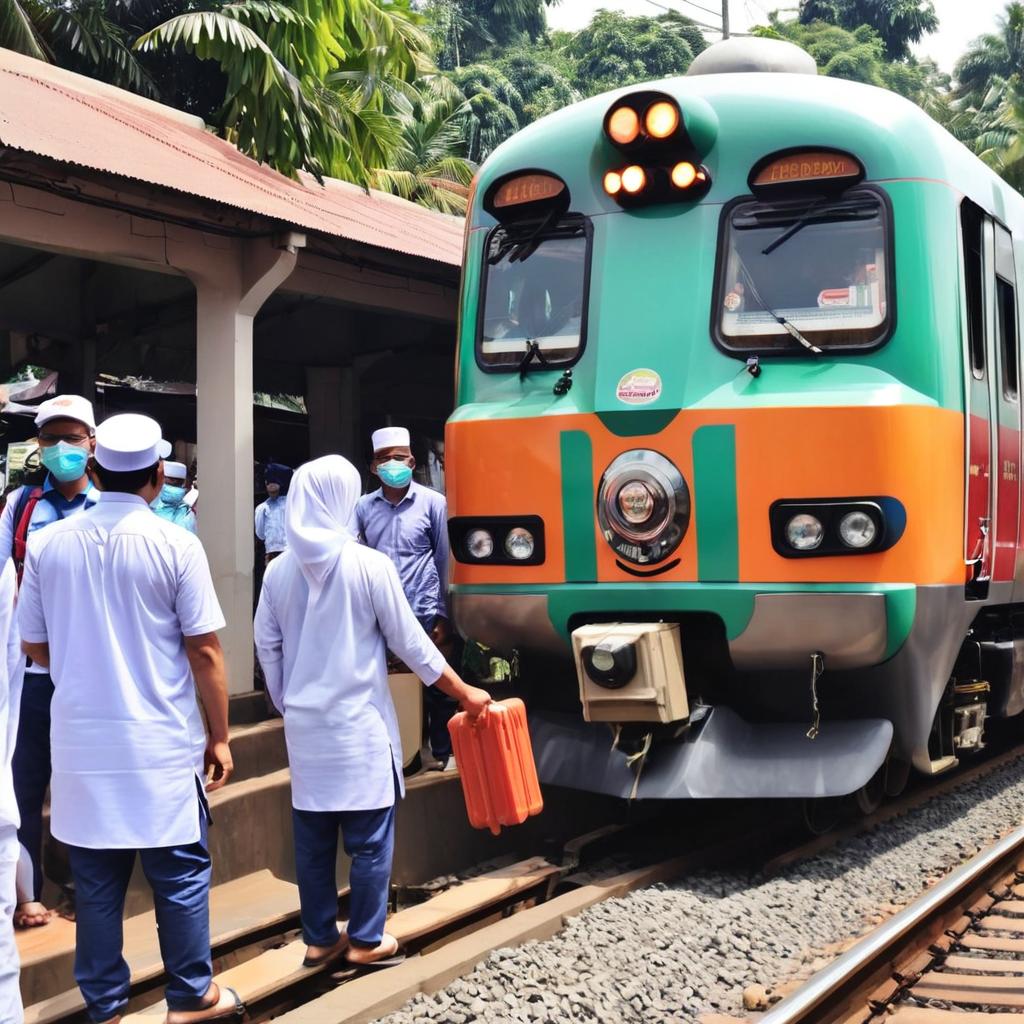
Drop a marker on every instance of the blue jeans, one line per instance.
(180, 879)
(369, 838)
(438, 709)
(31, 768)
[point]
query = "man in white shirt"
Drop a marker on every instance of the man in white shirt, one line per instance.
(12, 665)
(65, 437)
(328, 608)
(119, 604)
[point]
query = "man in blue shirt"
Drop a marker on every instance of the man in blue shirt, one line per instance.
(66, 441)
(408, 523)
(170, 502)
(270, 513)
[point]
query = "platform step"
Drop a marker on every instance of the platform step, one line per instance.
(279, 968)
(258, 749)
(245, 905)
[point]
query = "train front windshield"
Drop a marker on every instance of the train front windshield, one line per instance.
(534, 292)
(821, 265)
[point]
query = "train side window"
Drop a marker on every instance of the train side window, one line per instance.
(805, 272)
(972, 224)
(533, 311)
(1006, 311)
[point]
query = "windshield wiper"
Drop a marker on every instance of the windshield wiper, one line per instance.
(793, 228)
(836, 208)
(787, 326)
(532, 352)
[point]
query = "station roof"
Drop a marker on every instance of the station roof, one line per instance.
(71, 119)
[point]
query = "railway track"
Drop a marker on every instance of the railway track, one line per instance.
(954, 956)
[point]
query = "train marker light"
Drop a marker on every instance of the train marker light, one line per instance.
(805, 532)
(634, 178)
(857, 529)
(661, 119)
(613, 183)
(519, 543)
(684, 174)
(480, 544)
(624, 125)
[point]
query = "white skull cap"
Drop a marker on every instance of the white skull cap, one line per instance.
(66, 407)
(128, 441)
(390, 437)
(175, 470)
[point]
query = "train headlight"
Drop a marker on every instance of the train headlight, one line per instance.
(857, 529)
(643, 506)
(636, 502)
(611, 663)
(519, 544)
(480, 544)
(804, 532)
(661, 119)
(613, 183)
(624, 125)
(634, 178)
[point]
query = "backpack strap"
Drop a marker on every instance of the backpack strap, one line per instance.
(27, 501)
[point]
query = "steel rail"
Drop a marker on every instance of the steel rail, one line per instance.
(799, 1007)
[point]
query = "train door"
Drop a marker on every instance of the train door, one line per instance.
(978, 245)
(1007, 405)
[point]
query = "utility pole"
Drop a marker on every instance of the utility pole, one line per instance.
(725, 19)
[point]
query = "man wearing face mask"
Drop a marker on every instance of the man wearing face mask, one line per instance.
(270, 513)
(170, 503)
(408, 523)
(66, 440)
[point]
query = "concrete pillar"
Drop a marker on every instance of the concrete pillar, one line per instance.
(227, 301)
(329, 403)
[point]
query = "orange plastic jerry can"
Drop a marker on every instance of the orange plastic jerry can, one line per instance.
(495, 759)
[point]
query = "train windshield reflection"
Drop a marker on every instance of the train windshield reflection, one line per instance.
(820, 266)
(534, 292)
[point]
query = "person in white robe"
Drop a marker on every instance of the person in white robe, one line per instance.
(328, 609)
(12, 666)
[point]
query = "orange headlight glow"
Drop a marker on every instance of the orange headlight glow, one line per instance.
(624, 125)
(684, 174)
(613, 183)
(661, 119)
(634, 178)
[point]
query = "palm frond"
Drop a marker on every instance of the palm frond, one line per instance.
(18, 29)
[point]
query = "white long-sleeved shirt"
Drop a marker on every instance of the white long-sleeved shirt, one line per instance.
(326, 671)
(12, 668)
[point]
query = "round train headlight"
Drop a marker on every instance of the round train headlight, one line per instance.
(634, 178)
(857, 529)
(661, 119)
(643, 506)
(613, 183)
(804, 532)
(519, 544)
(480, 544)
(624, 125)
(636, 501)
(684, 174)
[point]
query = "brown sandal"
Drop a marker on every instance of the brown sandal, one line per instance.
(210, 1013)
(333, 953)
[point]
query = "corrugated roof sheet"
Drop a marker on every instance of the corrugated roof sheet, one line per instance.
(57, 114)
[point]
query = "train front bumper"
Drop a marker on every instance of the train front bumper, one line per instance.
(767, 626)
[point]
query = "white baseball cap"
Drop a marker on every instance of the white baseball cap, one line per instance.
(66, 407)
(128, 441)
(390, 437)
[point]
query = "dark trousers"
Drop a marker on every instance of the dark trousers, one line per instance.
(180, 879)
(369, 838)
(438, 709)
(31, 768)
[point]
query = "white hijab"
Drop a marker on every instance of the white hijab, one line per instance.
(320, 516)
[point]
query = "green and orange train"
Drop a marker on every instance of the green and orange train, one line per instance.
(735, 466)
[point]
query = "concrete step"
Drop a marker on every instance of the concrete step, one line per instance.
(255, 902)
(258, 749)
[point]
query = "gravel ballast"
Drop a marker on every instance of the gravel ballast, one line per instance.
(674, 951)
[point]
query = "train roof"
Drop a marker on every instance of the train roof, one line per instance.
(760, 113)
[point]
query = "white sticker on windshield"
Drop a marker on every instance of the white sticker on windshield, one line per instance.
(639, 387)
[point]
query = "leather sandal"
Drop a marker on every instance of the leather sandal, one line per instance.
(333, 953)
(386, 959)
(216, 1011)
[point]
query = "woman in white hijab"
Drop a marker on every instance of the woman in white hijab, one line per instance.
(328, 609)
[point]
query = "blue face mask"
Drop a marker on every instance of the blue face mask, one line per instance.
(65, 462)
(172, 495)
(394, 473)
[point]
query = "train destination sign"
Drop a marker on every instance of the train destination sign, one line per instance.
(808, 167)
(527, 188)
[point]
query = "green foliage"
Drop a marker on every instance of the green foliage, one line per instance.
(616, 50)
(898, 23)
(466, 30)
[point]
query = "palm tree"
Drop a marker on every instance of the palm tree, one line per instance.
(428, 167)
(302, 80)
(82, 35)
(464, 30)
(492, 102)
(994, 55)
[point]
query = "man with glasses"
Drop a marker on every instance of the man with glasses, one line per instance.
(66, 440)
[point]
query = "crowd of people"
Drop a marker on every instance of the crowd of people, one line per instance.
(109, 622)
